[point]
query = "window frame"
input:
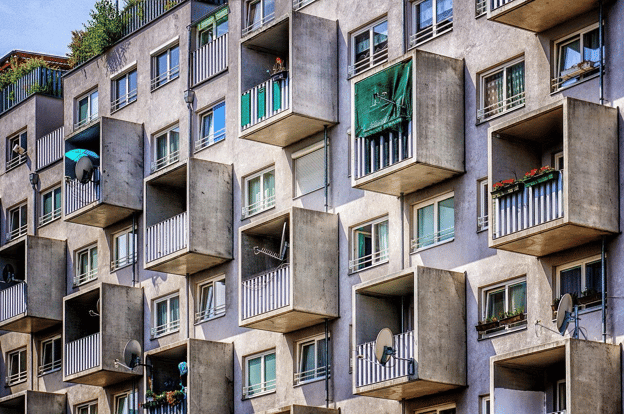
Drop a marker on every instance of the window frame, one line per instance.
(210, 313)
(319, 371)
(130, 96)
(558, 85)
(558, 395)
(171, 326)
(582, 263)
(296, 156)
(266, 388)
(20, 376)
(15, 159)
(130, 258)
(264, 18)
(92, 407)
(484, 295)
(171, 73)
(78, 123)
(131, 397)
(558, 161)
(358, 263)
(92, 274)
(206, 140)
(485, 404)
(266, 202)
(55, 214)
(437, 409)
(505, 107)
(53, 365)
(22, 229)
(435, 202)
(374, 59)
(214, 28)
(437, 28)
(171, 157)
(483, 207)
(480, 8)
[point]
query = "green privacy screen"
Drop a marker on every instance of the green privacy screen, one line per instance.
(383, 100)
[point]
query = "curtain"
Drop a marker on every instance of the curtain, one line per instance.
(254, 375)
(570, 281)
(321, 362)
(591, 46)
(253, 194)
(47, 203)
(269, 370)
(593, 276)
(570, 55)
(174, 141)
(517, 297)
(94, 104)
(515, 83)
(94, 262)
(269, 184)
(219, 295)
(161, 313)
(446, 219)
(307, 361)
(493, 86)
(57, 198)
(381, 243)
(174, 303)
(425, 226)
(496, 303)
(161, 147)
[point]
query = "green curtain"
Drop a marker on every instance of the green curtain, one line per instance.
(515, 82)
(446, 219)
(517, 295)
(261, 102)
(277, 96)
(383, 100)
(245, 109)
(425, 226)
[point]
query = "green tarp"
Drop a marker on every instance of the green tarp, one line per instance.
(223, 12)
(245, 109)
(261, 102)
(277, 96)
(383, 100)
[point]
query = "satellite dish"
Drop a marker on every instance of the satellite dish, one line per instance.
(8, 273)
(384, 346)
(132, 353)
(95, 312)
(84, 170)
(564, 313)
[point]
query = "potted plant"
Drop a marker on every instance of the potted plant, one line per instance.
(505, 187)
(487, 324)
(516, 315)
(280, 72)
(589, 296)
(539, 175)
(555, 304)
(149, 395)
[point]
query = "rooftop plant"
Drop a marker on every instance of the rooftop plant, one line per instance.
(16, 70)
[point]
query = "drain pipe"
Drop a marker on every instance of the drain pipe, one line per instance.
(34, 180)
(326, 363)
(134, 249)
(604, 291)
(326, 161)
(188, 308)
(601, 43)
(402, 199)
(189, 94)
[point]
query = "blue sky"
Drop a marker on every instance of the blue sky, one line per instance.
(41, 25)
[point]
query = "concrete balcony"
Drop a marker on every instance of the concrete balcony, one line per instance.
(188, 228)
(433, 336)
(568, 376)
(302, 409)
(114, 191)
(564, 208)
(283, 293)
(33, 402)
(96, 330)
(421, 143)
(209, 381)
(33, 301)
(537, 15)
(281, 110)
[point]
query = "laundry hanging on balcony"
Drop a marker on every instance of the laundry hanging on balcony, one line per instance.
(384, 100)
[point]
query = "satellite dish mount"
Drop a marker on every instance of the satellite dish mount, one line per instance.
(281, 255)
(568, 312)
(131, 356)
(84, 170)
(8, 274)
(384, 350)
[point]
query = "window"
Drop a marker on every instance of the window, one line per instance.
(259, 374)
(124, 90)
(503, 300)
(212, 128)
(16, 150)
(51, 352)
(259, 192)
(18, 224)
(583, 280)
(211, 300)
(309, 165)
(166, 315)
(485, 404)
(430, 18)
(166, 148)
(577, 57)
(86, 109)
(480, 8)
(124, 249)
(558, 160)
(560, 400)
(311, 360)
(86, 265)
(214, 26)
(259, 12)
(90, 408)
(126, 403)
(165, 66)
(369, 47)
(449, 409)
(16, 367)
(370, 244)
(50, 206)
(482, 205)
(434, 222)
(501, 89)
(299, 4)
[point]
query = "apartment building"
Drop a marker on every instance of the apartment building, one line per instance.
(222, 212)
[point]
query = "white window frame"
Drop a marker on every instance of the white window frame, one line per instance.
(91, 407)
(131, 401)
(118, 102)
(91, 116)
(582, 263)
(20, 376)
(485, 406)
(480, 8)
(557, 395)
(265, 203)
(214, 28)
(171, 326)
(22, 229)
(319, 372)
(217, 309)
(373, 59)
(55, 214)
(557, 83)
(482, 205)
(509, 103)
(204, 139)
(431, 32)
(171, 157)
(376, 257)
(300, 4)
(296, 157)
(437, 233)
(172, 73)
(485, 298)
(437, 409)
(54, 365)
(92, 273)
(15, 159)
(130, 257)
(265, 387)
(250, 27)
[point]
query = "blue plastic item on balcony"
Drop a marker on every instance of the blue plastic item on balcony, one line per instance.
(77, 154)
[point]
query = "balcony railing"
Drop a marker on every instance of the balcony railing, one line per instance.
(310, 375)
(168, 409)
(86, 120)
(572, 75)
(50, 148)
(256, 25)
(144, 12)
(39, 80)
(209, 313)
(259, 206)
(432, 31)
(259, 388)
(166, 237)
(82, 354)
(210, 139)
(78, 195)
(480, 7)
(16, 378)
(15, 160)
(85, 277)
(375, 153)
(495, 4)
(369, 260)
(17, 232)
(124, 100)
(482, 223)
(12, 301)
(166, 328)
(266, 292)
(558, 412)
(369, 371)
(378, 57)
(298, 4)
(264, 101)
(50, 367)
(166, 160)
(209, 60)
(530, 207)
(122, 262)
(501, 107)
(165, 77)
(49, 217)
(431, 239)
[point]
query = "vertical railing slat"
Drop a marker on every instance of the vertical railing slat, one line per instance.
(369, 371)
(266, 292)
(167, 237)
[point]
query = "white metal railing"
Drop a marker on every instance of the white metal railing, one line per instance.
(12, 301)
(166, 237)
(39, 80)
(501, 106)
(165, 77)
(17, 377)
(166, 160)
(122, 261)
(432, 31)
(298, 4)
(369, 260)
(310, 375)
(209, 60)
(495, 4)
(369, 371)
(85, 277)
(432, 239)
(124, 100)
(573, 74)
(262, 103)
(78, 195)
(51, 216)
(482, 223)
(85, 121)
(209, 313)
(558, 412)
(256, 25)
(530, 207)
(258, 206)
(50, 148)
(210, 139)
(480, 7)
(259, 388)
(16, 160)
(166, 328)
(145, 11)
(82, 354)
(266, 292)
(384, 150)
(167, 409)
(378, 57)
(17, 232)
(49, 367)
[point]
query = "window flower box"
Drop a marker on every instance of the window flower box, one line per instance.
(513, 318)
(536, 176)
(505, 187)
(484, 326)
(589, 297)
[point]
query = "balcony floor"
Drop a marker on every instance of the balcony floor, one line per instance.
(184, 262)
(539, 15)
(284, 129)
(98, 377)
(27, 324)
(284, 320)
(403, 388)
(99, 215)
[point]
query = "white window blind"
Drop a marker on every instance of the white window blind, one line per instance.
(309, 173)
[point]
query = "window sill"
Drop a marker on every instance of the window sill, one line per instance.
(578, 82)
(422, 42)
(52, 371)
(243, 218)
(481, 230)
(352, 272)
(309, 192)
(486, 120)
(310, 381)
(431, 246)
(49, 221)
(12, 384)
(522, 327)
(259, 394)
(209, 319)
